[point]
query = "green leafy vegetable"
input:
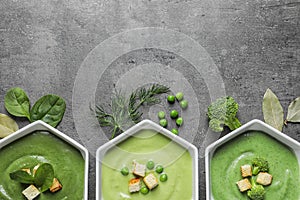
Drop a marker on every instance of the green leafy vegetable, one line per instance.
(44, 176)
(7, 125)
(293, 114)
(124, 112)
(272, 110)
(49, 108)
(22, 177)
(223, 112)
(17, 102)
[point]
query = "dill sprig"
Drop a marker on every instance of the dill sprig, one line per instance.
(124, 112)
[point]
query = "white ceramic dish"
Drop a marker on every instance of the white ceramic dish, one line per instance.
(147, 125)
(42, 126)
(252, 125)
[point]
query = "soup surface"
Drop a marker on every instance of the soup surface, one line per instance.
(144, 146)
(283, 165)
(42, 147)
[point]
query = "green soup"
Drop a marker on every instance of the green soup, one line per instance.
(41, 147)
(227, 159)
(142, 147)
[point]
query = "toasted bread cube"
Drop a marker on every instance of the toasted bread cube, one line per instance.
(55, 185)
(246, 170)
(244, 185)
(35, 168)
(134, 185)
(139, 169)
(151, 181)
(264, 178)
(27, 170)
(31, 192)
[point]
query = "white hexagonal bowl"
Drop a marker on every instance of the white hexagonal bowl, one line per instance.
(254, 125)
(42, 126)
(147, 125)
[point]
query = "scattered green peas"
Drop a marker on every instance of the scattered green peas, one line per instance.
(175, 131)
(144, 190)
(150, 164)
(174, 114)
(179, 96)
(171, 98)
(184, 104)
(159, 169)
(163, 122)
(163, 177)
(161, 114)
(179, 121)
(125, 171)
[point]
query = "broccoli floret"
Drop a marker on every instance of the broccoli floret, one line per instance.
(257, 192)
(222, 113)
(259, 165)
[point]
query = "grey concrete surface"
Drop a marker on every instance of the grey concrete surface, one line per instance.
(255, 45)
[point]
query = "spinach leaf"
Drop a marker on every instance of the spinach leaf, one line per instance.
(49, 108)
(22, 177)
(44, 176)
(17, 102)
(272, 110)
(7, 125)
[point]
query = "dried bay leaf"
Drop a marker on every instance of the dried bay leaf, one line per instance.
(272, 110)
(7, 125)
(293, 114)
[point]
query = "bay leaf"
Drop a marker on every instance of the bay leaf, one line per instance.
(7, 125)
(272, 110)
(293, 114)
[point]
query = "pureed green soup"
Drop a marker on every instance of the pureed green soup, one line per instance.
(41, 147)
(227, 159)
(144, 146)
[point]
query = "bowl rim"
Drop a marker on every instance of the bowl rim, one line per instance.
(42, 126)
(254, 124)
(148, 124)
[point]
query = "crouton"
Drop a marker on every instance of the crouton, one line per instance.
(35, 168)
(151, 181)
(55, 185)
(134, 185)
(246, 170)
(31, 192)
(244, 185)
(264, 178)
(27, 170)
(139, 169)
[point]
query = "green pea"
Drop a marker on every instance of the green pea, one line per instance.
(163, 122)
(179, 121)
(175, 131)
(171, 98)
(174, 114)
(163, 177)
(161, 114)
(144, 190)
(150, 164)
(179, 96)
(159, 169)
(183, 104)
(125, 171)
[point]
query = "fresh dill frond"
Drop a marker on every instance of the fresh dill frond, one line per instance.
(124, 112)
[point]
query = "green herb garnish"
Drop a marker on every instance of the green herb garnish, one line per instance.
(124, 112)
(43, 177)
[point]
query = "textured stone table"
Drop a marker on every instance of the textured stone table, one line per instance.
(83, 50)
